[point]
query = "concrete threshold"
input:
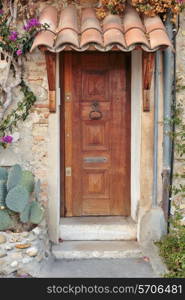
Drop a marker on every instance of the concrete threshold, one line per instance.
(96, 249)
(98, 228)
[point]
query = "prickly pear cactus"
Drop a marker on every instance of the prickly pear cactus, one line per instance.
(3, 174)
(14, 177)
(37, 213)
(3, 194)
(17, 198)
(25, 214)
(37, 189)
(5, 220)
(27, 180)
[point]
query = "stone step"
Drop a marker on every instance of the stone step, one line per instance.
(98, 228)
(96, 249)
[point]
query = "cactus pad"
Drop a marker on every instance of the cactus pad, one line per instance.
(37, 213)
(3, 174)
(14, 177)
(3, 193)
(17, 198)
(5, 220)
(25, 214)
(27, 180)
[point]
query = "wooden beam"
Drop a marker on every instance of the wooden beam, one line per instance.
(51, 74)
(148, 70)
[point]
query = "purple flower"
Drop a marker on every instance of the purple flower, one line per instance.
(31, 23)
(19, 52)
(1, 12)
(6, 139)
(13, 36)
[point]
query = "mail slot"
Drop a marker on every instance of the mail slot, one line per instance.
(95, 159)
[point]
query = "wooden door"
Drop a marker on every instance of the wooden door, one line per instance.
(96, 134)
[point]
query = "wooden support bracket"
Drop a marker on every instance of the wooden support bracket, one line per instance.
(148, 70)
(51, 74)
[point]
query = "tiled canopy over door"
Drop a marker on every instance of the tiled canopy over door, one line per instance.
(81, 30)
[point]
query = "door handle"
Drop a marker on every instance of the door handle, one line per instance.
(95, 113)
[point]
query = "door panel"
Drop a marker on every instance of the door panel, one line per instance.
(97, 133)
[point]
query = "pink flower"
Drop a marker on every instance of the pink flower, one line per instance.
(19, 52)
(31, 23)
(13, 36)
(6, 139)
(1, 12)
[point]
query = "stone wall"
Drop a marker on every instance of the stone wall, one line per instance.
(23, 252)
(179, 166)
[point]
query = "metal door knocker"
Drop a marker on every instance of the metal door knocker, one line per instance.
(95, 114)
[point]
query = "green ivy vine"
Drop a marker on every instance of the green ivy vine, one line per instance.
(21, 112)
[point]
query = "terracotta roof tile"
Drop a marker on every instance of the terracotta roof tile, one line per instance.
(68, 29)
(113, 32)
(131, 20)
(90, 29)
(82, 31)
(156, 32)
(47, 37)
(135, 37)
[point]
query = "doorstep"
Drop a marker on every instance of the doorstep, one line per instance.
(96, 249)
(98, 228)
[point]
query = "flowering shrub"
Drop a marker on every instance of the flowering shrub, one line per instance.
(15, 43)
(146, 7)
(112, 6)
(153, 7)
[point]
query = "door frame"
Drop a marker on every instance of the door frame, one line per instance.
(54, 147)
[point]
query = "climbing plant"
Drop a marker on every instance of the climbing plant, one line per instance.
(172, 246)
(15, 42)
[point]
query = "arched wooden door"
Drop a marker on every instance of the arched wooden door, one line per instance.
(95, 133)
